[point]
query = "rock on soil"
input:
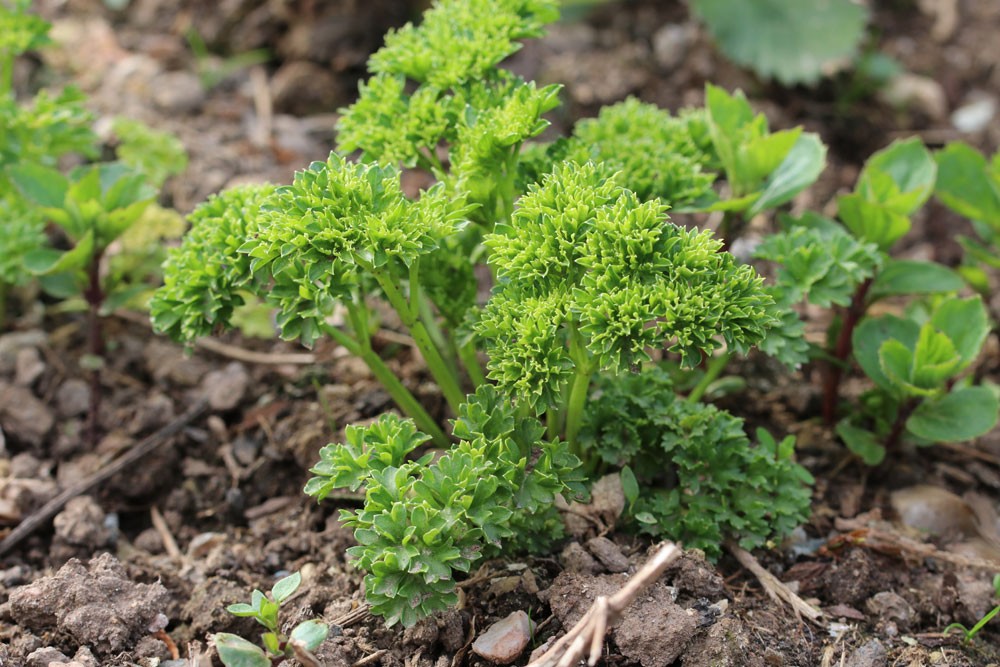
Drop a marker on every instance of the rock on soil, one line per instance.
(504, 640)
(95, 606)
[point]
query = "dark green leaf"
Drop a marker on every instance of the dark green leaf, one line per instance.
(961, 415)
(862, 443)
(908, 276)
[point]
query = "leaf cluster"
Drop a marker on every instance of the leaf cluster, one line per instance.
(658, 155)
(438, 84)
(590, 277)
(235, 651)
(764, 169)
(93, 205)
(204, 277)
(915, 363)
(156, 154)
(716, 486)
(969, 184)
(426, 519)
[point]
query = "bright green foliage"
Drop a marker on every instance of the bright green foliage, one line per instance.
(915, 363)
(19, 32)
(793, 41)
(44, 129)
(93, 205)
(234, 651)
(764, 169)
(701, 481)
(336, 227)
(156, 154)
(820, 261)
(894, 183)
(658, 154)
(462, 100)
(424, 521)
(970, 185)
(204, 276)
(589, 278)
(23, 231)
(461, 41)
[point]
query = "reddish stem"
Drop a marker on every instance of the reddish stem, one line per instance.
(834, 370)
(896, 432)
(94, 296)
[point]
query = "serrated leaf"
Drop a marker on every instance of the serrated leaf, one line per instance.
(960, 415)
(907, 276)
(871, 221)
(234, 651)
(284, 587)
(792, 41)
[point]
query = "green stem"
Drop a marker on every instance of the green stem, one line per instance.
(578, 394)
(467, 353)
(579, 390)
(715, 368)
(504, 203)
(406, 401)
(437, 366)
(6, 74)
(443, 343)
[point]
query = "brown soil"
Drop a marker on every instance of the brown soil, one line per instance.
(217, 510)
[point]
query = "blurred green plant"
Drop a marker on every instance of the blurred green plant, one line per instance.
(791, 41)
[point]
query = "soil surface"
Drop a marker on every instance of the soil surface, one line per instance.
(138, 570)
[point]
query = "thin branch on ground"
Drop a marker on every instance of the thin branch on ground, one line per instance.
(137, 453)
(774, 587)
(586, 638)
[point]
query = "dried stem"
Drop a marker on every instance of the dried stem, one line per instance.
(587, 636)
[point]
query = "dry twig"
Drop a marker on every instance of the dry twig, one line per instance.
(137, 453)
(586, 638)
(775, 588)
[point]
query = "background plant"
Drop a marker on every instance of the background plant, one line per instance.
(39, 131)
(914, 361)
(791, 41)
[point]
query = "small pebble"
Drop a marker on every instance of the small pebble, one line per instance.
(608, 553)
(29, 366)
(505, 640)
(872, 654)
(974, 116)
